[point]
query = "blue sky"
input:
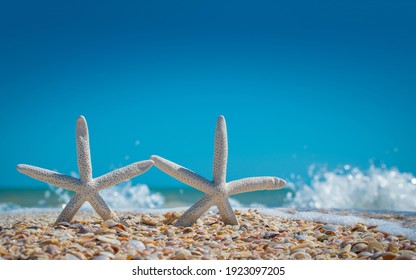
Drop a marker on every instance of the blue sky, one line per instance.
(328, 82)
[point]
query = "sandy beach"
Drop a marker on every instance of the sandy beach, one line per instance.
(151, 236)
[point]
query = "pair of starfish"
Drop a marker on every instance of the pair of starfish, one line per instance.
(87, 188)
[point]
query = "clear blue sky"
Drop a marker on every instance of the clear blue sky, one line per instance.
(299, 82)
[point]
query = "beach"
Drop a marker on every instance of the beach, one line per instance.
(268, 234)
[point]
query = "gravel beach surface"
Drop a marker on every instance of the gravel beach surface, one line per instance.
(151, 236)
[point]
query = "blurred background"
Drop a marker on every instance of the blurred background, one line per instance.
(319, 93)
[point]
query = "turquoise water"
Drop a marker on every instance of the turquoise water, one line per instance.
(347, 187)
(148, 198)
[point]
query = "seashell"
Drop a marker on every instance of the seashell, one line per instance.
(52, 249)
(76, 225)
(359, 247)
(330, 229)
(168, 251)
(63, 224)
(359, 227)
(405, 257)
(394, 248)
(300, 246)
(183, 254)
(245, 254)
(149, 221)
(101, 257)
(108, 224)
(120, 227)
(170, 217)
(375, 245)
(108, 254)
(377, 255)
(124, 234)
(136, 245)
(389, 256)
(108, 239)
(300, 256)
(409, 252)
(346, 249)
(71, 257)
(270, 234)
(370, 239)
(365, 254)
(78, 255)
(188, 230)
(85, 229)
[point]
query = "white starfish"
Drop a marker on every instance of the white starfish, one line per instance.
(217, 190)
(86, 187)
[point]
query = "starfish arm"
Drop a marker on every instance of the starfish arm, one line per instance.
(83, 150)
(226, 211)
(255, 184)
(192, 214)
(50, 177)
(105, 212)
(71, 209)
(220, 152)
(183, 174)
(122, 174)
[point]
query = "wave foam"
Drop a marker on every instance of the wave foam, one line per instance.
(378, 188)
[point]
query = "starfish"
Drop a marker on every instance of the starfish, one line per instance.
(86, 187)
(218, 190)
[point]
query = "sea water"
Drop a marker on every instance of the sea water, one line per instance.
(347, 187)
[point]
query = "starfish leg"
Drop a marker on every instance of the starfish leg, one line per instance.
(227, 212)
(83, 150)
(192, 214)
(50, 177)
(183, 174)
(105, 212)
(255, 184)
(220, 152)
(71, 209)
(122, 174)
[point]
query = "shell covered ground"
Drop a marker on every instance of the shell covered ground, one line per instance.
(144, 236)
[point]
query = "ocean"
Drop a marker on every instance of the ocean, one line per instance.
(377, 188)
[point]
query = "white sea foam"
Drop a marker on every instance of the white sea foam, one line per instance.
(127, 196)
(393, 228)
(378, 188)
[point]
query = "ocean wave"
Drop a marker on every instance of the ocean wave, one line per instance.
(378, 188)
